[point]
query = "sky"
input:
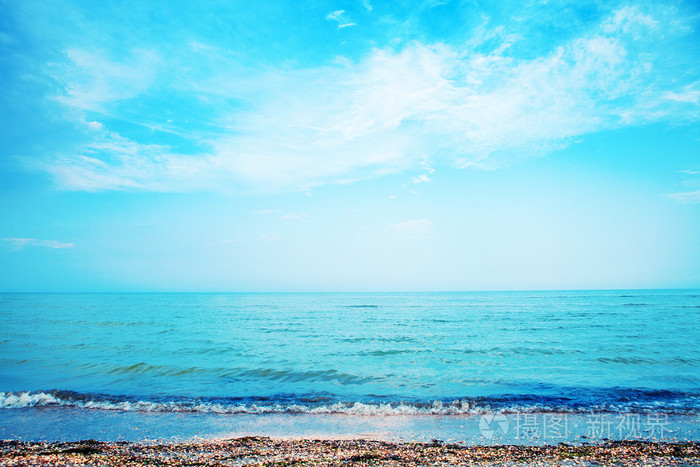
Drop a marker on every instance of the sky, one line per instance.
(349, 145)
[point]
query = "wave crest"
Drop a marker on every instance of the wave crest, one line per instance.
(631, 401)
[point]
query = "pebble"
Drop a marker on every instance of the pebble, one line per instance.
(263, 451)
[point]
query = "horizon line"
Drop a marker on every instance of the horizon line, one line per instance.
(301, 292)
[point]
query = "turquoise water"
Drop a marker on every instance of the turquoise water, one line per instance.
(427, 353)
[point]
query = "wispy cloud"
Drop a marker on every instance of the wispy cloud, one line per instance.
(690, 94)
(687, 197)
(91, 80)
(94, 125)
(630, 19)
(691, 182)
(340, 17)
(422, 178)
(20, 243)
(416, 227)
(470, 106)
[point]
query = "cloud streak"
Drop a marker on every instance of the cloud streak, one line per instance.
(691, 182)
(692, 197)
(21, 243)
(341, 18)
(422, 178)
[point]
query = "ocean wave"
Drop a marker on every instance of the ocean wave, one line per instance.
(627, 401)
(10, 400)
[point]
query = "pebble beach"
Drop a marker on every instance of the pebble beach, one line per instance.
(264, 451)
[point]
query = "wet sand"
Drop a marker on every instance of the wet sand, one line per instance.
(264, 451)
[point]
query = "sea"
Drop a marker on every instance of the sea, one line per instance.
(470, 367)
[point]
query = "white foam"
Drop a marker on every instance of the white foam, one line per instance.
(13, 400)
(9, 400)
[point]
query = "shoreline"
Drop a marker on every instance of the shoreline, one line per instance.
(61, 424)
(264, 451)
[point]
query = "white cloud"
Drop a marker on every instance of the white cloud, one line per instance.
(335, 16)
(691, 182)
(689, 94)
(92, 80)
(396, 109)
(367, 4)
(341, 18)
(116, 163)
(416, 227)
(423, 178)
(20, 243)
(95, 125)
(630, 20)
(687, 197)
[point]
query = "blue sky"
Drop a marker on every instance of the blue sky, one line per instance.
(349, 146)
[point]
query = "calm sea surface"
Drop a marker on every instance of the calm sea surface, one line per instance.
(398, 353)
